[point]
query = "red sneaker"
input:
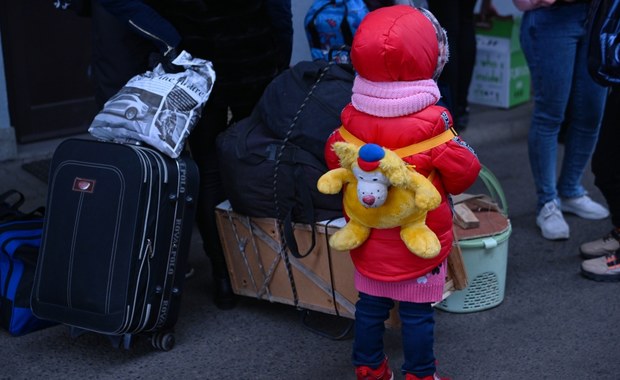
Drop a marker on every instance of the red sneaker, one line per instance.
(410, 376)
(382, 373)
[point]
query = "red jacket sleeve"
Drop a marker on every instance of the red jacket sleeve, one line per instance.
(457, 165)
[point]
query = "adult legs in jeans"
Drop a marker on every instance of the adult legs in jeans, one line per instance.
(560, 75)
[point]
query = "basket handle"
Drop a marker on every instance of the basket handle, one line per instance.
(494, 188)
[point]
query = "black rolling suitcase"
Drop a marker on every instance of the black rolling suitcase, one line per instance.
(115, 240)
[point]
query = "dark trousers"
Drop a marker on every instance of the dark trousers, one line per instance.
(118, 53)
(202, 145)
(607, 156)
(457, 18)
(418, 326)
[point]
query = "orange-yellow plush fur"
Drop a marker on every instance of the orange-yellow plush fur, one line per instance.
(410, 197)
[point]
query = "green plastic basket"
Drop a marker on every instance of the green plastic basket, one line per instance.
(485, 261)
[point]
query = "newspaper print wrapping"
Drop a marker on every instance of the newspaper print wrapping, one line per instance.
(157, 108)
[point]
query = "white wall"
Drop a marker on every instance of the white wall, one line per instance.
(301, 50)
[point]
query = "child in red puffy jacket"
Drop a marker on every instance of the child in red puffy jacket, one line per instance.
(398, 53)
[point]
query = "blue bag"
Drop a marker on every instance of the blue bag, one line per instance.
(20, 239)
(330, 24)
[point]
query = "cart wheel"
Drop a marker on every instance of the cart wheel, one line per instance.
(163, 341)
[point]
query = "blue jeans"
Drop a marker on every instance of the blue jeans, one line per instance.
(418, 326)
(554, 40)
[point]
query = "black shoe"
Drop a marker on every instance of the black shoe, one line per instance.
(223, 295)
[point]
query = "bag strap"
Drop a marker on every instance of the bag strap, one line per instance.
(285, 222)
(409, 150)
(348, 323)
(280, 155)
(305, 198)
(345, 28)
(314, 34)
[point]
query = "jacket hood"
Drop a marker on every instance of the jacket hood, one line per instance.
(399, 43)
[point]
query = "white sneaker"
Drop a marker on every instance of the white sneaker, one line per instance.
(552, 223)
(584, 207)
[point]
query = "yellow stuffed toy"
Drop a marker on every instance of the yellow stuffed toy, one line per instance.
(382, 192)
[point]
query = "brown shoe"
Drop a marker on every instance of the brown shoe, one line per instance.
(602, 246)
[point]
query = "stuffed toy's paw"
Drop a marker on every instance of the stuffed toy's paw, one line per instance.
(420, 240)
(426, 195)
(352, 235)
(332, 181)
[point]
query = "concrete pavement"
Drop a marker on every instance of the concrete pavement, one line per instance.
(552, 324)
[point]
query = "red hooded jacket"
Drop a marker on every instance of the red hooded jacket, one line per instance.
(380, 53)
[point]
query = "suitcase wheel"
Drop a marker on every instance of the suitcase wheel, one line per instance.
(163, 340)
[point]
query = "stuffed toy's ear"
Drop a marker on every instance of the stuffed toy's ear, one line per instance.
(395, 169)
(346, 152)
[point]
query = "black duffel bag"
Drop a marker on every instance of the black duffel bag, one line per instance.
(270, 162)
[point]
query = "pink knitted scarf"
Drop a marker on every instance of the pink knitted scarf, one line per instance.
(393, 99)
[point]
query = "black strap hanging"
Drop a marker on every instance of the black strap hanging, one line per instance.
(285, 223)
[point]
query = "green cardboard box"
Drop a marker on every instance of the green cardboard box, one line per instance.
(501, 77)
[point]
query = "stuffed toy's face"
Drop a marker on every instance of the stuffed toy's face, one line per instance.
(372, 187)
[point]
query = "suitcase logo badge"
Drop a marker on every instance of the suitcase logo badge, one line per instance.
(84, 185)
